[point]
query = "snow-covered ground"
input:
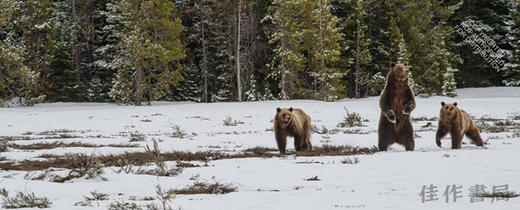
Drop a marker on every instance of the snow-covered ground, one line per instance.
(384, 180)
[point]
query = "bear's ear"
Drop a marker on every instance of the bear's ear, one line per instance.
(455, 104)
(406, 64)
(392, 64)
(442, 103)
(278, 109)
(291, 109)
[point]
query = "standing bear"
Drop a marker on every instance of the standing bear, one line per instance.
(294, 123)
(397, 101)
(458, 123)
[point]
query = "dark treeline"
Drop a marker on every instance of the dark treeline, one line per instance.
(137, 51)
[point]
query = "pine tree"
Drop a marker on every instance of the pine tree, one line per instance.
(307, 46)
(399, 51)
(449, 86)
(208, 48)
(190, 88)
(427, 39)
(35, 24)
(65, 84)
(512, 72)
(258, 91)
(16, 79)
(327, 84)
(253, 94)
(286, 35)
(107, 24)
(149, 56)
(220, 50)
(494, 19)
(400, 54)
(362, 53)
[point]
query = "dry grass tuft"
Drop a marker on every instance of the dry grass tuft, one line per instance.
(339, 150)
(56, 144)
(143, 158)
(314, 178)
(3, 145)
(204, 188)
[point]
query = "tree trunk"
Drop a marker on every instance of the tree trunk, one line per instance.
(138, 81)
(322, 70)
(204, 57)
(252, 32)
(239, 86)
(75, 50)
(356, 72)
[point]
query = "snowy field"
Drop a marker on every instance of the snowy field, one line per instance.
(382, 180)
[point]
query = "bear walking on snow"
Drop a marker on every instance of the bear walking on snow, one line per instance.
(458, 123)
(294, 123)
(397, 101)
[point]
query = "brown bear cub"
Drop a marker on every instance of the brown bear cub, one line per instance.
(458, 123)
(397, 101)
(294, 123)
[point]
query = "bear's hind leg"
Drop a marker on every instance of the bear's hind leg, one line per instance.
(474, 135)
(306, 142)
(406, 135)
(386, 134)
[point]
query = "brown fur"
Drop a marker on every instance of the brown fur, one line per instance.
(397, 101)
(458, 123)
(293, 123)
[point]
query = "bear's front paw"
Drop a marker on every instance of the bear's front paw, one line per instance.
(390, 116)
(438, 143)
(407, 109)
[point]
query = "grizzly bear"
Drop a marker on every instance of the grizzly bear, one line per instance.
(458, 123)
(294, 123)
(397, 101)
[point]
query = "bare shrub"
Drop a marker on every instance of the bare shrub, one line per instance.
(125, 166)
(88, 166)
(178, 132)
(23, 200)
(351, 120)
(121, 205)
(164, 197)
(348, 160)
(324, 130)
(161, 168)
(230, 122)
(355, 131)
(94, 196)
(136, 136)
